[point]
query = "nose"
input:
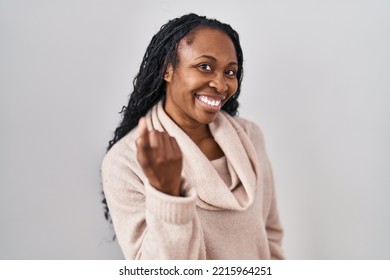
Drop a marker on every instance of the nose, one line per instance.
(219, 83)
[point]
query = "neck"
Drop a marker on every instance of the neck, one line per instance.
(202, 137)
(195, 130)
(200, 134)
(196, 133)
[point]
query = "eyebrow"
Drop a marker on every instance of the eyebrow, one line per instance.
(214, 59)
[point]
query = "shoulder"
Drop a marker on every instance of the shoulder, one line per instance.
(122, 155)
(251, 128)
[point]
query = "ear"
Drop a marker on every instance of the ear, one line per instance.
(168, 73)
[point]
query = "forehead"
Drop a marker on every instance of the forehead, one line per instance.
(207, 41)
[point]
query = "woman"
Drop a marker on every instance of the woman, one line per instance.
(184, 178)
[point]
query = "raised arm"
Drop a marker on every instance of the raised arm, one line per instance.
(149, 223)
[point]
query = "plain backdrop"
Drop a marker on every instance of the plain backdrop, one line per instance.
(317, 80)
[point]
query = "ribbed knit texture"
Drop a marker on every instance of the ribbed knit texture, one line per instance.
(170, 209)
(214, 220)
(221, 165)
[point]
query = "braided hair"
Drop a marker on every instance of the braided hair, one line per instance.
(149, 84)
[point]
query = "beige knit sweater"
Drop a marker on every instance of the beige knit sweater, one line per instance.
(228, 210)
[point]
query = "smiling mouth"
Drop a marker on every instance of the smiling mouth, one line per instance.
(209, 101)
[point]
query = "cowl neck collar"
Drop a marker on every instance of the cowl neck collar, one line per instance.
(199, 173)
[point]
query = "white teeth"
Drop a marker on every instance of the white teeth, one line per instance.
(209, 101)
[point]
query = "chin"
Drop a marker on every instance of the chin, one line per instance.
(207, 118)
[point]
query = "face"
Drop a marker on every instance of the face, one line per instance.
(204, 78)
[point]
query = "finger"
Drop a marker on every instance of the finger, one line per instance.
(155, 139)
(175, 146)
(144, 157)
(142, 127)
(143, 138)
(166, 144)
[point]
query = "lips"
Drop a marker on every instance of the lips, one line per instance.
(213, 102)
(209, 101)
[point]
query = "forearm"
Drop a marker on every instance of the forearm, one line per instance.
(173, 228)
(154, 225)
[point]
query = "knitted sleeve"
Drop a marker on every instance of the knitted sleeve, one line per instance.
(149, 224)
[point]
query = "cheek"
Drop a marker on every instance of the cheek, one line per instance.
(233, 85)
(194, 80)
(185, 82)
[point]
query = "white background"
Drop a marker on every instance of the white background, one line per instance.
(317, 80)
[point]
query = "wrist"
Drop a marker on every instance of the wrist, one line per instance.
(171, 188)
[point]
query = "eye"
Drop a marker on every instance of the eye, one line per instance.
(231, 73)
(205, 67)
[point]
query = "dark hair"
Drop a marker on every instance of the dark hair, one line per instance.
(149, 84)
